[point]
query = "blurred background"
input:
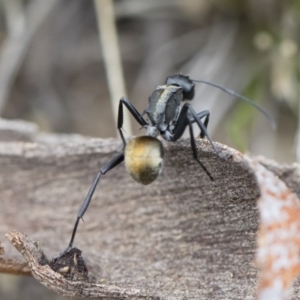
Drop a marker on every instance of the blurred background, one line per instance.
(65, 64)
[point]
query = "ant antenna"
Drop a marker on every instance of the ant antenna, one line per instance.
(235, 94)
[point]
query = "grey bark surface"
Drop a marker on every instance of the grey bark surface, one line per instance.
(181, 237)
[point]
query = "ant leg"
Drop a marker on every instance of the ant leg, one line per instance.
(201, 126)
(110, 165)
(203, 114)
(182, 122)
(133, 111)
(194, 149)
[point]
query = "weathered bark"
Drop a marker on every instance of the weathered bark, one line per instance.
(181, 237)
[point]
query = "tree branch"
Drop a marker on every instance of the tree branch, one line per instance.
(180, 237)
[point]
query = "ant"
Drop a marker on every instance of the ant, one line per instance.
(166, 117)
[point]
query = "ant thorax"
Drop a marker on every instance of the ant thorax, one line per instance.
(163, 110)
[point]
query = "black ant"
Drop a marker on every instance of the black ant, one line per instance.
(166, 117)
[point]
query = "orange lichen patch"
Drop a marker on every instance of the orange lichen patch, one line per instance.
(285, 195)
(280, 225)
(271, 194)
(278, 236)
(292, 212)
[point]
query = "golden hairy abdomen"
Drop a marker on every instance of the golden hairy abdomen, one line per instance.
(144, 158)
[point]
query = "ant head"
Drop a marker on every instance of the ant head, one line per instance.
(144, 158)
(187, 85)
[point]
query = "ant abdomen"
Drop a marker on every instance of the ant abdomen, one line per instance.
(144, 158)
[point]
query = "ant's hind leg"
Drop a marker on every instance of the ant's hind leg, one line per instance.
(202, 127)
(182, 122)
(203, 114)
(109, 166)
(195, 154)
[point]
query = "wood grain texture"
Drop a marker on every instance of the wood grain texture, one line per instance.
(181, 237)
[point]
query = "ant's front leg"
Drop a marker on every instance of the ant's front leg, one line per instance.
(203, 114)
(138, 117)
